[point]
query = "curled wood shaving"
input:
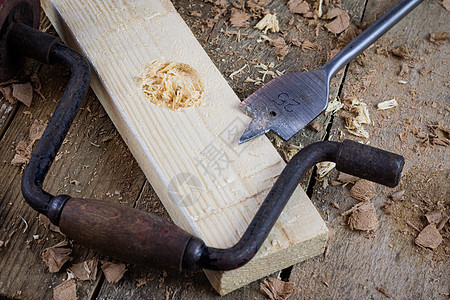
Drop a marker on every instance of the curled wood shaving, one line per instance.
(401, 52)
(334, 106)
(269, 22)
(171, 84)
(387, 104)
(86, 270)
(278, 290)
(363, 217)
(56, 256)
(323, 168)
(341, 20)
(354, 124)
(363, 190)
(439, 38)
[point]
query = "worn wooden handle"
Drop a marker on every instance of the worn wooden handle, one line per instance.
(125, 233)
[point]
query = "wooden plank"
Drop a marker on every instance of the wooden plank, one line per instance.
(121, 38)
(356, 265)
(92, 155)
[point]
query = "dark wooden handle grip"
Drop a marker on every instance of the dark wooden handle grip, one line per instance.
(125, 233)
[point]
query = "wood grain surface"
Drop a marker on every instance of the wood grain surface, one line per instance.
(357, 265)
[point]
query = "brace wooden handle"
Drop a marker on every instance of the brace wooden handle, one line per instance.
(125, 233)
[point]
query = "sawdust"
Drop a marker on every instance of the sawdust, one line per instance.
(113, 272)
(363, 190)
(65, 291)
(171, 85)
(429, 237)
(239, 19)
(86, 270)
(278, 290)
(56, 256)
(340, 20)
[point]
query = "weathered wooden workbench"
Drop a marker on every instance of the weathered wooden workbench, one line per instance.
(94, 163)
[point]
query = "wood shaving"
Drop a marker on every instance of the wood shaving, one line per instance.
(278, 290)
(387, 104)
(325, 167)
(434, 217)
(341, 20)
(446, 4)
(363, 190)
(401, 52)
(238, 71)
(24, 148)
(172, 85)
(281, 48)
(334, 106)
(347, 178)
(7, 93)
(398, 195)
(439, 38)
(56, 256)
(348, 35)
(65, 291)
(363, 217)
(317, 126)
(257, 4)
(354, 124)
(429, 237)
(239, 19)
(113, 272)
(86, 270)
(307, 45)
(383, 290)
(269, 22)
(404, 69)
(23, 93)
(298, 7)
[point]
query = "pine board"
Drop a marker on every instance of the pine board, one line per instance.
(173, 148)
